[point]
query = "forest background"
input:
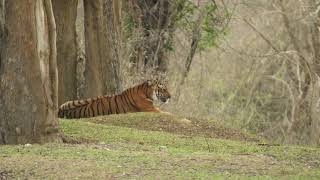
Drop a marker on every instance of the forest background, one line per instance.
(251, 64)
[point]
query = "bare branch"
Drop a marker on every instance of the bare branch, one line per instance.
(196, 34)
(262, 36)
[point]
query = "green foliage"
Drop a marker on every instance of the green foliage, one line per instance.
(128, 25)
(213, 24)
(184, 16)
(211, 27)
(169, 45)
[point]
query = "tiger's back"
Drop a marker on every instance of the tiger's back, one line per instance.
(92, 107)
(136, 99)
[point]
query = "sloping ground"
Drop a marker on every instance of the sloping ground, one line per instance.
(112, 151)
(173, 124)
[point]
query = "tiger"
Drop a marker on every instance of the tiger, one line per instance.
(139, 98)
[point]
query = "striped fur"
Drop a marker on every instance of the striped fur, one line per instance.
(136, 99)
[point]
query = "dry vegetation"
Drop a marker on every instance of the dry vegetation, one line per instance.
(260, 74)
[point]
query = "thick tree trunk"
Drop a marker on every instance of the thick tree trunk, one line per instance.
(81, 50)
(88, 54)
(28, 84)
(2, 29)
(112, 19)
(65, 12)
(102, 70)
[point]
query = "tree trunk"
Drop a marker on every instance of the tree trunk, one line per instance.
(102, 65)
(2, 29)
(81, 50)
(97, 73)
(28, 73)
(65, 12)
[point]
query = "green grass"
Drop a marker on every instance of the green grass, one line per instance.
(105, 149)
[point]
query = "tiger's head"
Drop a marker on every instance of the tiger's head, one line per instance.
(158, 91)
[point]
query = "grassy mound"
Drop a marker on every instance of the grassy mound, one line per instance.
(173, 124)
(113, 151)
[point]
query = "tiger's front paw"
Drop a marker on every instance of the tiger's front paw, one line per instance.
(166, 113)
(185, 121)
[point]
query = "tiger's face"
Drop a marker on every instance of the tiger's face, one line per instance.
(159, 91)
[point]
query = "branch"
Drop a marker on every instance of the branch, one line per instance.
(262, 36)
(288, 27)
(196, 34)
(303, 62)
(293, 109)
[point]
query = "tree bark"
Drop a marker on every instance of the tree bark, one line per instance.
(28, 84)
(102, 65)
(2, 20)
(88, 45)
(81, 52)
(65, 12)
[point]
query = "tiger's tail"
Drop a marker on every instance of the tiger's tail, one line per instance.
(75, 109)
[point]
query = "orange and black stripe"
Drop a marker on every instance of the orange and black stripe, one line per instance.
(104, 105)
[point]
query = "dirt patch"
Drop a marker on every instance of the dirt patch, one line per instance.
(173, 124)
(215, 130)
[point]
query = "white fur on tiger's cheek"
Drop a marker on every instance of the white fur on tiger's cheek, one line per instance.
(154, 96)
(167, 101)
